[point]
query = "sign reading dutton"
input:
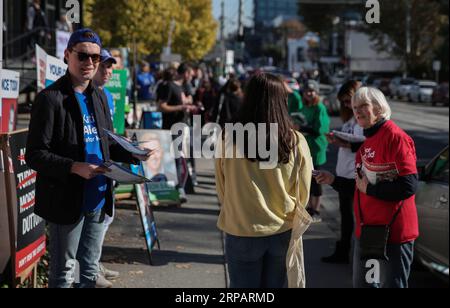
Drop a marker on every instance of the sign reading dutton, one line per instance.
(30, 232)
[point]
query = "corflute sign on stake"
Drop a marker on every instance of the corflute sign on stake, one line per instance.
(9, 94)
(49, 69)
(30, 232)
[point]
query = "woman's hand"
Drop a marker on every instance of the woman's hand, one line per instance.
(325, 177)
(362, 183)
(332, 139)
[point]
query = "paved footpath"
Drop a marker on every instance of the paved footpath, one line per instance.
(191, 255)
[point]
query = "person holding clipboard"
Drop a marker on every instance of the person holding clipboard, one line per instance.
(344, 182)
(67, 147)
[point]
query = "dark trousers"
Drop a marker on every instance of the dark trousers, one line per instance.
(347, 219)
(390, 274)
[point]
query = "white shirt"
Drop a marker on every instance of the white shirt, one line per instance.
(346, 158)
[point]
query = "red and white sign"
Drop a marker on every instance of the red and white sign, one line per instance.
(9, 94)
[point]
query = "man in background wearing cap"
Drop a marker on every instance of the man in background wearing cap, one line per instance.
(104, 74)
(67, 147)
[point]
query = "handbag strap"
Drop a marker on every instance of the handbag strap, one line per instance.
(393, 219)
(297, 177)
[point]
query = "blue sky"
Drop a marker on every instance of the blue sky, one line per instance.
(231, 13)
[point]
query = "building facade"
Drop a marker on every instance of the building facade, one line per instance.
(267, 10)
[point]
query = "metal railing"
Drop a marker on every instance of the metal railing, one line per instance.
(19, 51)
(19, 54)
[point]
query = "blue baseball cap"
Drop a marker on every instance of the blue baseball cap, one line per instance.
(106, 56)
(84, 35)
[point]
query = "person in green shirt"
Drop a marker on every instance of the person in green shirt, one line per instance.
(315, 129)
(295, 105)
(295, 102)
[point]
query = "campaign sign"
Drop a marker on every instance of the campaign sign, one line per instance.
(62, 40)
(30, 228)
(55, 69)
(9, 94)
(48, 68)
(160, 168)
(41, 65)
(117, 85)
(146, 213)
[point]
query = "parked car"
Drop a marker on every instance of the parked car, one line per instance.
(421, 91)
(329, 98)
(440, 94)
(393, 86)
(404, 87)
(432, 246)
(369, 80)
(383, 85)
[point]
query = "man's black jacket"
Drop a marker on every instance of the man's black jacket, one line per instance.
(56, 141)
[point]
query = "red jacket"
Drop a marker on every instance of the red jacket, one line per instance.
(390, 145)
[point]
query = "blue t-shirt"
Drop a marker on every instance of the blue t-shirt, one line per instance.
(110, 99)
(95, 188)
(145, 81)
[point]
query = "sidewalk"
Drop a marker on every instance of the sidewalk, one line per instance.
(191, 255)
(319, 241)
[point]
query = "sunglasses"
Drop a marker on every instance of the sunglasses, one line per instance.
(82, 57)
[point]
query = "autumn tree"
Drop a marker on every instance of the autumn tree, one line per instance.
(147, 22)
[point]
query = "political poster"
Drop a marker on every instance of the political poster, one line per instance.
(118, 88)
(160, 168)
(9, 94)
(29, 229)
(49, 68)
(5, 245)
(41, 66)
(146, 213)
(62, 39)
(55, 69)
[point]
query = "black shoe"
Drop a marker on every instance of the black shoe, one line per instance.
(340, 255)
(336, 259)
(315, 215)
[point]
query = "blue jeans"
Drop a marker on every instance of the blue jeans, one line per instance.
(75, 251)
(392, 274)
(257, 262)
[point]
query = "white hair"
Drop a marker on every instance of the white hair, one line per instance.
(376, 98)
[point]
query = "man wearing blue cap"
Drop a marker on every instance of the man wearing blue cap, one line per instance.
(67, 147)
(104, 74)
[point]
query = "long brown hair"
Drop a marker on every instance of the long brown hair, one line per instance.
(347, 90)
(265, 102)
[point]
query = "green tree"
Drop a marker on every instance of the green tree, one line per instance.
(427, 23)
(148, 23)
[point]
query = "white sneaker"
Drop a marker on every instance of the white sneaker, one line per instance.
(108, 274)
(102, 283)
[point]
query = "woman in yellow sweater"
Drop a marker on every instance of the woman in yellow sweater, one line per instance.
(258, 205)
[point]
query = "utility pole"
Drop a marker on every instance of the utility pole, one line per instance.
(240, 24)
(222, 36)
(222, 21)
(408, 35)
(240, 33)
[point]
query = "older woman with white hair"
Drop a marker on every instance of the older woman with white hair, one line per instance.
(385, 208)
